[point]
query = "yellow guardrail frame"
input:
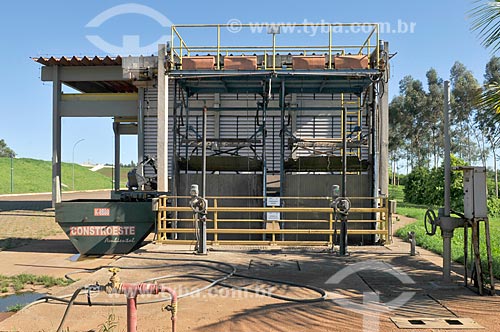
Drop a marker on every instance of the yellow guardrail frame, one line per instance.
(369, 45)
(168, 222)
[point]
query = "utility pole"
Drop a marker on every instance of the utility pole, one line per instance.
(12, 173)
(73, 160)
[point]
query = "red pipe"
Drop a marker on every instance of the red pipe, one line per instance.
(173, 305)
(131, 314)
(132, 290)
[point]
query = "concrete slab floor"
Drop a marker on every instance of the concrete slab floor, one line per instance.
(364, 291)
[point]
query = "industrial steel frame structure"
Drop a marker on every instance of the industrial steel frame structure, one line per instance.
(164, 90)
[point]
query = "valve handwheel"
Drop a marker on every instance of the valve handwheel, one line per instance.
(430, 219)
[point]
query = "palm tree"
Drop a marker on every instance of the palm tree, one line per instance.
(486, 22)
(485, 18)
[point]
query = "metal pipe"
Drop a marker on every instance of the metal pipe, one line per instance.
(204, 155)
(132, 290)
(173, 305)
(202, 245)
(413, 243)
(343, 224)
(131, 314)
(447, 235)
(447, 149)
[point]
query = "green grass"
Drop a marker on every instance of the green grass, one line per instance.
(18, 282)
(15, 307)
(435, 243)
(34, 176)
(108, 172)
(396, 193)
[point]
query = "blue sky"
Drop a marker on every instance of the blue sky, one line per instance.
(32, 29)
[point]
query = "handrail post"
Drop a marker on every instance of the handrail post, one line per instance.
(274, 51)
(218, 46)
(378, 45)
(330, 237)
(216, 220)
(330, 46)
(273, 241)
(172, 48)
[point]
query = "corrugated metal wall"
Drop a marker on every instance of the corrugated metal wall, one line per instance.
(235, 117)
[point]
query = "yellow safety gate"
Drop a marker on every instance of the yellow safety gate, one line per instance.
(168, 223)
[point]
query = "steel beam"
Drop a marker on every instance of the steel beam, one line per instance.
(83, 73)
(99, 105)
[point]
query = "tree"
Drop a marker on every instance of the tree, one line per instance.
(5, 151)
(415, 121)
(485, 119)
(486, 22)
(465, 93)
(434, 109)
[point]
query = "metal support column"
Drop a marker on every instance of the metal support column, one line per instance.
(447, 235)
(140, 132)
(56, 137)
(343, 224)
(116, 129)
(282, 147)
(265, 101)
(162, 142)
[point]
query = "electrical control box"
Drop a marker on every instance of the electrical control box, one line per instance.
(475, 193)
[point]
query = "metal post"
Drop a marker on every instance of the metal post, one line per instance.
(56, 137)
(73, 159)
(447, 148)
(202, 245)
(413, 243)
(343, 224)
(162, 138)
(140, 133)
(447, 235)
(116, 129)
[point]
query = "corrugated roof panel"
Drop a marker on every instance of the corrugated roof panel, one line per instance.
(76, 61)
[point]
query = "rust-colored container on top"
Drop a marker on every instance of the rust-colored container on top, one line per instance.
(310, 62)
(198, 62)
(351, 61)
(241, 62)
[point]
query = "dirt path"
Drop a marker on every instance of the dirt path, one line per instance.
(401, 221)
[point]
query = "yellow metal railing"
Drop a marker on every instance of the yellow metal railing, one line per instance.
(169, 224)
(369, 44)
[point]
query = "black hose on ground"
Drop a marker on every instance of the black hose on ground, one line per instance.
(70, 304)
(193, 262)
